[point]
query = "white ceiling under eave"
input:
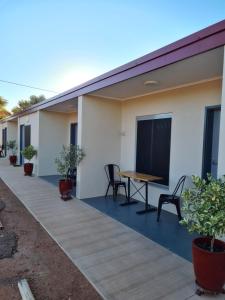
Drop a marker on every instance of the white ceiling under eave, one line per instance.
(199, 68)
(68, 106)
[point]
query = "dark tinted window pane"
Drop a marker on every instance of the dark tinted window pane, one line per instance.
(153, 148)
(161, 149)
(144, 142)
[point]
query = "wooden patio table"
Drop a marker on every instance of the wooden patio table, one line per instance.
(145, 178)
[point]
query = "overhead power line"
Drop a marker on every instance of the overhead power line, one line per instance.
(28, 86)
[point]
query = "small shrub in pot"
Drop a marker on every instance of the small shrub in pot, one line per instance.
(12, 147)
(204, 213)
(28, 153)
(69, 159)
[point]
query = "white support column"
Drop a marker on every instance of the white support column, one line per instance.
(79, 142)
(221, 154)
(99, 127)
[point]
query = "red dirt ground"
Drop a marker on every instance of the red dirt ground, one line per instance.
(50, 273)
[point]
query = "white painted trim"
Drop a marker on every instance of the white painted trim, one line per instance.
(155, 117)
(104, 97)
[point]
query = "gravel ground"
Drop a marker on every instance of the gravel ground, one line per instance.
(50, 273)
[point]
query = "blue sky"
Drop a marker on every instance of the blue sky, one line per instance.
(55, 44)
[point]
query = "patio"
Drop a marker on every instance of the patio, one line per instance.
(167, 233)
(118, 261)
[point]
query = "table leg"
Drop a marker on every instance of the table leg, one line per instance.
(148, 207)
(129, 202)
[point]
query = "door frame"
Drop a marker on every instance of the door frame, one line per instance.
(207, 136)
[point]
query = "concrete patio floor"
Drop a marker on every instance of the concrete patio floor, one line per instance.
(118, 261)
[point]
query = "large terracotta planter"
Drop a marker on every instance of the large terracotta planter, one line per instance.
(28, 169)
(209, 266)
(65, 188)
(13, 159)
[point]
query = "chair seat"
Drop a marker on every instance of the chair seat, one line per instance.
(119, 183)
(169, 198)
(172, 198)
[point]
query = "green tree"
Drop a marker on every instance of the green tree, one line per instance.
(3, 111)
(24, 104)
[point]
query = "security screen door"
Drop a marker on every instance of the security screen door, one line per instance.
(25, 139)
(73, 133)
(211, 142)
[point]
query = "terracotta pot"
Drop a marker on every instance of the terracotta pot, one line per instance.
(65, 188)
(28, 169)
(209, 266)
(13, 159)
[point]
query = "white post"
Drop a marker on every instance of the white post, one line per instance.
(221, 154)
(79, 141)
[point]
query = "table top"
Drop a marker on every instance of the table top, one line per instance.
(139, 176)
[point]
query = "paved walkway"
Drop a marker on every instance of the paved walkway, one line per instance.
(119, 262)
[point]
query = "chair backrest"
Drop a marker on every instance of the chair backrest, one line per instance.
(111, 171)
(179, 187)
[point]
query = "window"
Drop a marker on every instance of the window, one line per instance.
(153, 146)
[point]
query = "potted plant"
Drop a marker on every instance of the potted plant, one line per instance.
(28, 153)
(12, 147)
(67, 163)
(204, 213)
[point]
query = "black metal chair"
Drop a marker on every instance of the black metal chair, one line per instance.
(114, 179)
(172, 199)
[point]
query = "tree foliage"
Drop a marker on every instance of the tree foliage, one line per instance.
(3, 111)
(204, 207)
(12, 146)
(24, 104)
(69, 157)
(29, 152)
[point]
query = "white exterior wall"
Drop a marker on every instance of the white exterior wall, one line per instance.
(33, 121)
(99, 134)
(12, 131)
(187, 106)
(54, 132)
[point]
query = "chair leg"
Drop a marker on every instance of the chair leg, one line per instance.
(159, 209)
(125, 188)
(178, 210)
(116, 190)
(107, 190)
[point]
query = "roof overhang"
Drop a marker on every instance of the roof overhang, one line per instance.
(197, 69)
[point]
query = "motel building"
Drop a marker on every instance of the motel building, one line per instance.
(161, 114)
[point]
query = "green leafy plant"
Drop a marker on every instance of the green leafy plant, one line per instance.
(29, 152)
(69, 157)
(204, 207)
(12, 146)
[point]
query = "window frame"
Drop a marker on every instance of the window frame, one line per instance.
(154, 117)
